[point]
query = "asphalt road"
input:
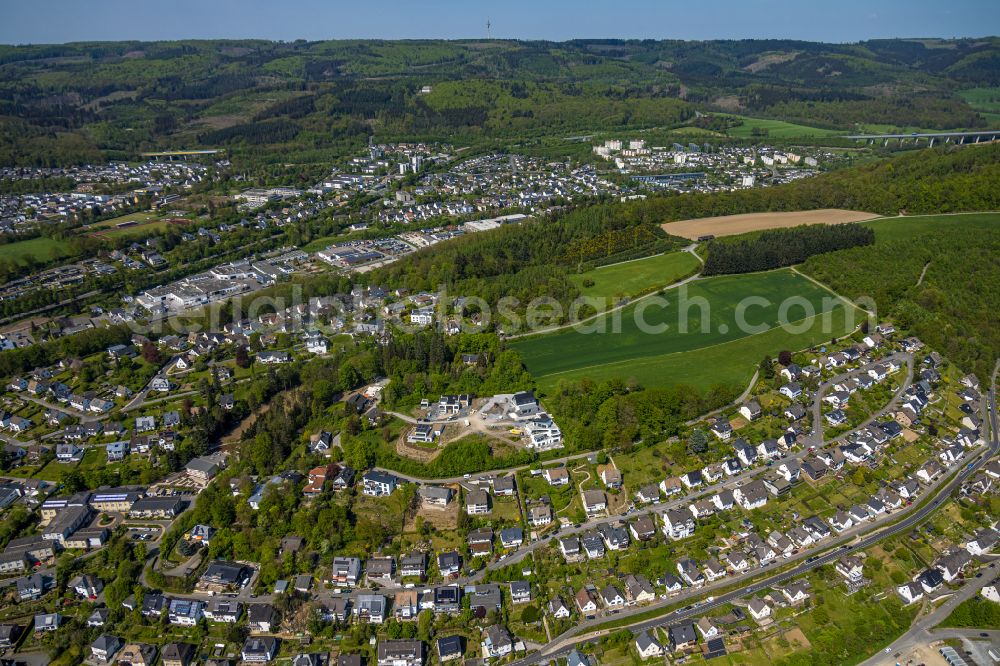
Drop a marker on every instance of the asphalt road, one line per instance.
(922, 633)
(817, 404)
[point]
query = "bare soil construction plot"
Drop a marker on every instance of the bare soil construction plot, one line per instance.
(730, 225)
(441, 518)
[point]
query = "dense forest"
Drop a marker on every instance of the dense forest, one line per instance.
(782, 247)
(274, 102)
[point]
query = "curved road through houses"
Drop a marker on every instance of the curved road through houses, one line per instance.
(852, 540)
(815, 409)
(837, 549)
(816, 436)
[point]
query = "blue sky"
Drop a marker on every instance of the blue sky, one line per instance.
(52, 21)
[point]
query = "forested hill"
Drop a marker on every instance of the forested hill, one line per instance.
(83, 101)
(936, 277)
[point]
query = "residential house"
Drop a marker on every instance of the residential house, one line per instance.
(910, 592)
(586, 602)
(594, 502)
(638, 589)
(497, 642)
(178, 654)
(399, 652)
(520, 591)
(682, 637)
(983, 542)
(346, 571)
(558, 609)
(259, 649)
(378, 484)
(678, 524)
(797, 592)
(751, 410)
(477, 502)
(647, 646)
(450, 647)
(262, 617)
(104, 648)
(759, 610)
(370, 608)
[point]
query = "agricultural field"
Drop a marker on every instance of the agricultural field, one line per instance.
(986, 101)
(633, 278)
(40, 249)
(700, 342)
(775, 129)
(731, 225)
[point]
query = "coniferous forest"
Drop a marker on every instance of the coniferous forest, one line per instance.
(782, 247)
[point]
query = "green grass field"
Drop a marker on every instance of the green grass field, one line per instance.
(634, 278)
(139, 218)
(138, 230)
(986, 101)
(146, 223)
(42, 249)
(776, 129)
(713, 351)
(914, 226)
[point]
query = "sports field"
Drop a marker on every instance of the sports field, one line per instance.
(703, 342)
(138, 224)
(138, 218)
(633, 278)
(731, 225)
(138, 230)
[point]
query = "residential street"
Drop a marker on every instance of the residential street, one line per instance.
(816, 435)
(922, 632)
(563, 644)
